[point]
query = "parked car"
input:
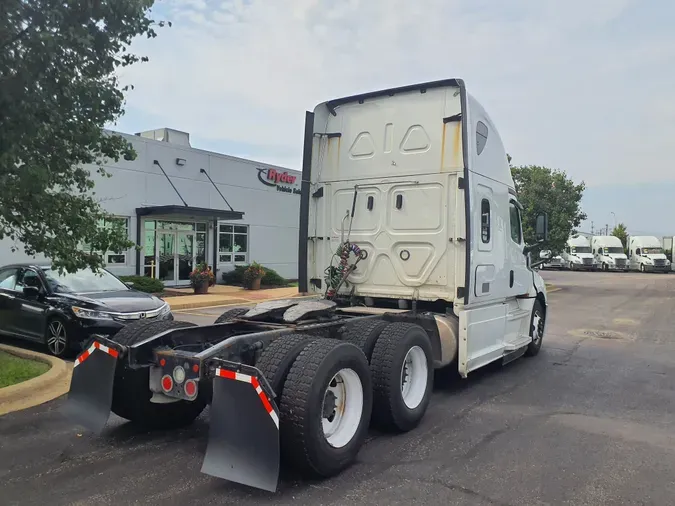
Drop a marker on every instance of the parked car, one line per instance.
(64, 311)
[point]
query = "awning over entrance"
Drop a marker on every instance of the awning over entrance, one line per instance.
(189, 212)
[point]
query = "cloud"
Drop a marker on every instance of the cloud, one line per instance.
(582, 86)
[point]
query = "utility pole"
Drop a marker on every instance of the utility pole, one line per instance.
(606, 228)
(592, 228)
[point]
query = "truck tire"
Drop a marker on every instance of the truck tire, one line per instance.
(278, 357)
(230, 314)
(364, 335)
(325, 408)
(403, 377)
(536, 329)
(131, 392)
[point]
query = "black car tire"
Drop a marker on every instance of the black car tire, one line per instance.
(131, 392)
(58, 346)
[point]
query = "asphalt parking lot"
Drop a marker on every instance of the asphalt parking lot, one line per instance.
(587, 422)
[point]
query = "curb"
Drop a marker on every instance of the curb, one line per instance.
(231, 302)
(46, 387)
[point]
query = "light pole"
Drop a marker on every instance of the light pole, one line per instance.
(614, 219)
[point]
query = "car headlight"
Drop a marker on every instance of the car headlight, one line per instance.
(166, 309)
(611, 260)
(91, 314)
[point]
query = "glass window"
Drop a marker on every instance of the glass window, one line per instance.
(29, 278)
(8, 278)
(514, 220)
(232, 243)
(201, 247)
(485, 220)
(481, 136)
(149, 224)
(201, 227)
(114, 257)
(82, 281)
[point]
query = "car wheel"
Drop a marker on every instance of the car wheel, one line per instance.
(57, 338)
(642, 267)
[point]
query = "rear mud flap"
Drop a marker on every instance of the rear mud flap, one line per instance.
(91, 387)
(243, 442)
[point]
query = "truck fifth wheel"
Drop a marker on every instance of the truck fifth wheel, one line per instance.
(410, 238)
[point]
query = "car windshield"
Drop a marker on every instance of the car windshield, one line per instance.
(84, 280)
(581, 249)
(613, 250)
(651, 251)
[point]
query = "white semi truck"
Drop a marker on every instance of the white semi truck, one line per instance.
(410, 236)
(608, 253)
(646, 254)
(577, 254)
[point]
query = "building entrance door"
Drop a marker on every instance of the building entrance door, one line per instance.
(175, 256)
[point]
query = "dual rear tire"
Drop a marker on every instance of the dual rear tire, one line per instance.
(329, 391)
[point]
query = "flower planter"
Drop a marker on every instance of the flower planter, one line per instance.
(255, 284)
(202, 287)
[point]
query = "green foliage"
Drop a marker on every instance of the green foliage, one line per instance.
(144, 283)
(271, 277)
(253, 272)
(541, 189)
(621, 232)
(59, 63)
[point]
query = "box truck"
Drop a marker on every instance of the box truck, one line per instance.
(608, 253)
(411, 238)
(646, 254)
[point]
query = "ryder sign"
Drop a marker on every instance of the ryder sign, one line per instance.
(278, 179)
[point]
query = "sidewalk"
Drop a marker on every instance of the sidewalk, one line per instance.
(223, 295)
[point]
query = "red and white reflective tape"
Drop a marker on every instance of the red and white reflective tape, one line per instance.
(96, 346)
(245, 378)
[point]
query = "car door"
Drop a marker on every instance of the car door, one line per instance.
(30, 319)
(520, 277)
(8, 302)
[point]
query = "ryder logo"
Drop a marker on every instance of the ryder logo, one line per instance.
(277, 178)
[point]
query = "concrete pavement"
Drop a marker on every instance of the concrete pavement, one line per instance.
(223, 295)
(587, 422)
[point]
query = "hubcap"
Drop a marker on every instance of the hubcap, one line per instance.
(537, 327)
(56, 342)
(414, 373)
(342, 408)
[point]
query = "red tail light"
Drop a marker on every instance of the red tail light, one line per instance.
(190, 389)
(167, 383)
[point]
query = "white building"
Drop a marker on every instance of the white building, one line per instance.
(186, 205)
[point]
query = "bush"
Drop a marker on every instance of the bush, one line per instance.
(271, 277)
(144, 283)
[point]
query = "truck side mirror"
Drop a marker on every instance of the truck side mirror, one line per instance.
(541, 227)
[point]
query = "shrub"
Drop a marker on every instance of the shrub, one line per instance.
(253, 272)
(144, 283)
(236, 277)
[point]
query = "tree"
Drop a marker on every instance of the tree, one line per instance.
(621, 232)
(58, 88)
(541, 189)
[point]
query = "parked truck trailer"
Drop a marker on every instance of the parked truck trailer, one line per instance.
(411, 239)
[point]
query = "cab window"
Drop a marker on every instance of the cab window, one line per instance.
(514, 219)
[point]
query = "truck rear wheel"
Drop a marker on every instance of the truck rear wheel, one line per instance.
(278, 357)
(364, 334)
(131, 390)
(403, 377)
(326, 407)
(231, 314)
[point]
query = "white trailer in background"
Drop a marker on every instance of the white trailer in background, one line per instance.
(577, 254)
(608, 253)
(646, 254)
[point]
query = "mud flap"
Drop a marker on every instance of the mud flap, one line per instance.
(243, 444)
(91, 387)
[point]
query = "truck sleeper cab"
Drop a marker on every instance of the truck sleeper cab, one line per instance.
(646, 255)
(608, 253)
(577, 254)
(411, 239)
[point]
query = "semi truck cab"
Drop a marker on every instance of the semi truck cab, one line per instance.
(608, 253)
(646, 255)
(578, 254)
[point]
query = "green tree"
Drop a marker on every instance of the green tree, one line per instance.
(58, 88)
(621, 232)
(541, 189)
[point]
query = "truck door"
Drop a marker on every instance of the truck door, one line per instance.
(519, 276)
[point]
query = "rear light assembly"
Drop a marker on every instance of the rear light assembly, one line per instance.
(190, 389)
(167, 383)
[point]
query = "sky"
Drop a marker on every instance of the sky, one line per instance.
(581, 86)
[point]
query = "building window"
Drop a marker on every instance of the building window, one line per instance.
(114, 257)
(232, 244)
(481, 136)
(485, 220)
(514, 219)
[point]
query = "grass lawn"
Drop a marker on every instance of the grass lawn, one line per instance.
(15, 370)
